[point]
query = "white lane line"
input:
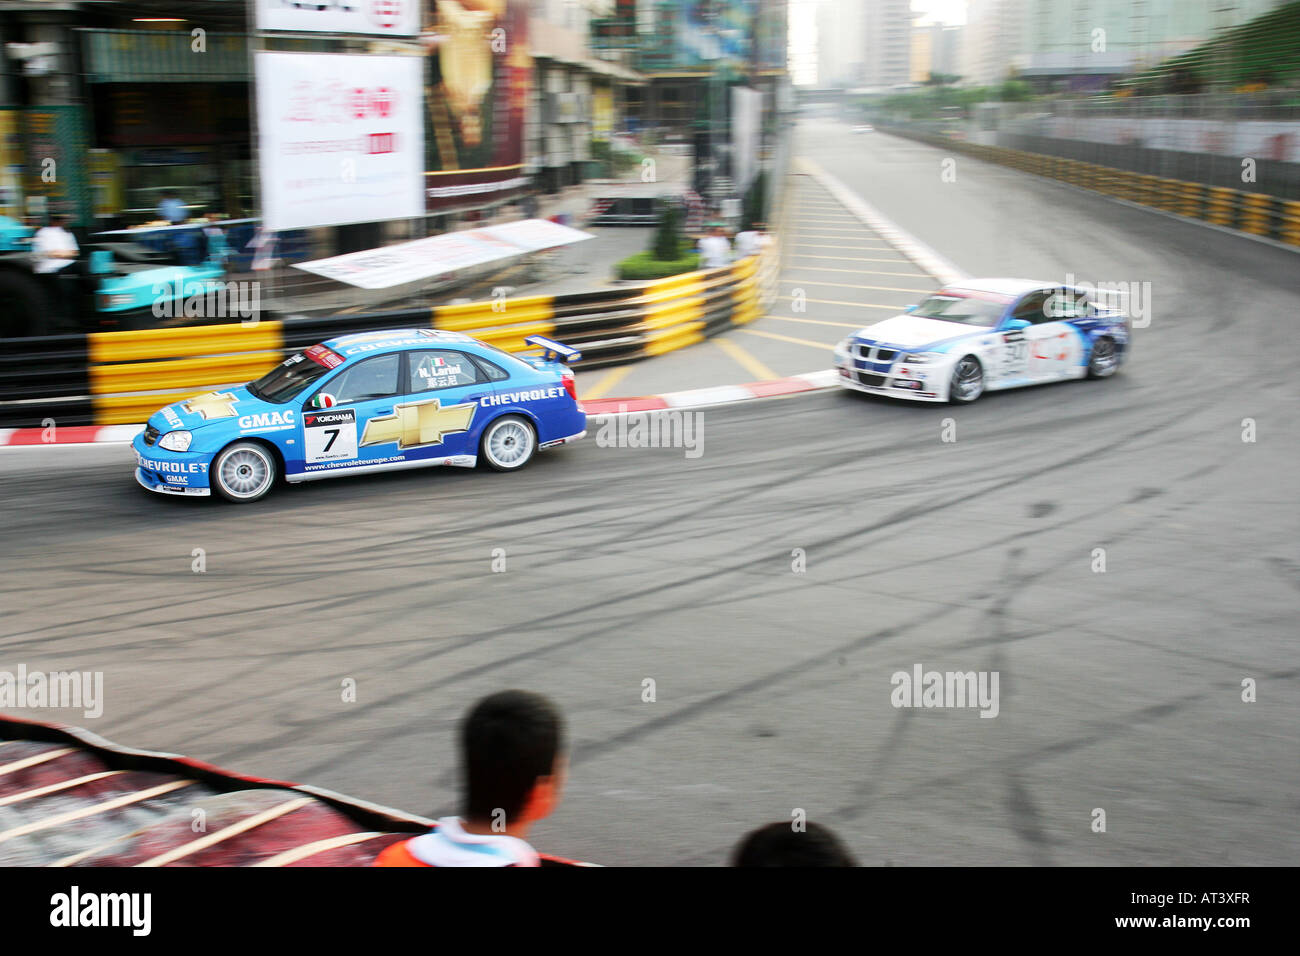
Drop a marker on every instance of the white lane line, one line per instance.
(920, 253)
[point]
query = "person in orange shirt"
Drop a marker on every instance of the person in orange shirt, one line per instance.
(513, 751)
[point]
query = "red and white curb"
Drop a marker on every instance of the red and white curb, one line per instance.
(68, 435)
(595, 408)
(718, 395)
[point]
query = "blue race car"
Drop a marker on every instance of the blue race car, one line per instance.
(373, 401)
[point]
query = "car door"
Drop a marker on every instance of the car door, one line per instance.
(1010, 359)
(344, 409)
(1055, 349)
(440, 408)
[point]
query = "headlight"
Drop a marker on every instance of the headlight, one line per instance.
(918, 358)
(176, 441)
(843, 345)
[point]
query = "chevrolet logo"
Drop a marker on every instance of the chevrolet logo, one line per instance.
(212, 405)
(418, 423)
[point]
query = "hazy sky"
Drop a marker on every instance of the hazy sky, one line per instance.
(803, 29)
(952, 12)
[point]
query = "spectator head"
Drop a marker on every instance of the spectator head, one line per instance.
(60, 220)
(512, 746)
(779, 844)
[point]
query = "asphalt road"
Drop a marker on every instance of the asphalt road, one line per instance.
(1119, 690)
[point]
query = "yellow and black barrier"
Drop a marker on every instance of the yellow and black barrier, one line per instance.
(1259, 214)
(110, 378)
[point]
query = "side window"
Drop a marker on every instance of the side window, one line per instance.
(1068, 305)
(1031, 308)
(372, 378)
(439, 368)
(493, 373)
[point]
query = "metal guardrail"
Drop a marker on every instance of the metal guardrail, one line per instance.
(1259, 214)
(110, 378)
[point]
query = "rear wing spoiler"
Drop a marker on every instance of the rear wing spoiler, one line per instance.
(1113, 300)
(553, 351)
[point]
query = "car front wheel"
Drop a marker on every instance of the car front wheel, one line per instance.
(967, 381)
(508, 443)
(244, 471)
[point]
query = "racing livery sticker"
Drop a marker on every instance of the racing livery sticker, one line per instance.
(212, 405)
(172, 467)
(511, 398)
(416, 424)
(266, 422)
(434, 372)
(324, 356)
(329, 435)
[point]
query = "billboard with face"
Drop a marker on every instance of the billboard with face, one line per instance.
(478, 79)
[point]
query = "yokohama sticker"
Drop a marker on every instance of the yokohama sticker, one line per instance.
(329, 435)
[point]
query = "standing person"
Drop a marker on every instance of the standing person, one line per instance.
(172, 209)
(55, 247)
(779, 844)
(715, 249)
(513, 753)
(750, 241)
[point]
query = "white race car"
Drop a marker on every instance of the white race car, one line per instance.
(983, 335)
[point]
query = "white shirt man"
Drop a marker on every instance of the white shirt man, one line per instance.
(715, 250)
(748, 243)
(55, 248)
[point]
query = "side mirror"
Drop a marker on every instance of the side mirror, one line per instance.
(322, 400)
(1015, 325)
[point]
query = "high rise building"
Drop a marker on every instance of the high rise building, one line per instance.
(888, 59)
(1080, 44)
(841, 43)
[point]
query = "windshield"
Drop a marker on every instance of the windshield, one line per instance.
(294, 374)
(958, 308)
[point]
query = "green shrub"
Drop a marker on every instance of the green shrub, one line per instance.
(644, 266)
(667, 243)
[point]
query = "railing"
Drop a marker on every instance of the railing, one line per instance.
(1259, 214)
(109, 378)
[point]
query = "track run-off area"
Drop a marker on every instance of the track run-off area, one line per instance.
(1114, 550)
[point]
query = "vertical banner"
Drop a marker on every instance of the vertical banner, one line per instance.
(746, 119)
(56, 161)
(341, 138)
(107, 195)
(602, 113)
(479, 77)
(11, 165)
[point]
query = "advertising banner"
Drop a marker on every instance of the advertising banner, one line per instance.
(443, 255)
(479, 76)
(341, 138)
(746, 116)
(54, 138)
(396, 18)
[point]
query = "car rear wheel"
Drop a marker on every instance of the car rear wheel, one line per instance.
(1104, 361)
(244, 471)
(508, 443)
(967, 381)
